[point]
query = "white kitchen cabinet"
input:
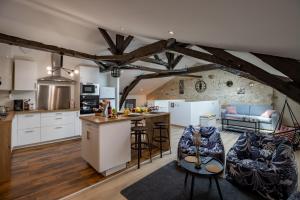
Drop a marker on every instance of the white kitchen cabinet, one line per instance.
(31, 128)
(89, 74)
(30, 120)
(57, 132)
(25, 75)
(90, 144)
(77, 122)
(29, 136)
(106, 147)
(54, 119)
(5, 73)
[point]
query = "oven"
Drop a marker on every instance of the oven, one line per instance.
(87, 103)
(89, 89)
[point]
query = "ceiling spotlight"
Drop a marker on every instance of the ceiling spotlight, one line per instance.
(49, 72)
(71, 74)
(48, 68)
(76, 71)
(171, 32)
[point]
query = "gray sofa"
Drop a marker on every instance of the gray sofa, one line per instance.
(253, 112)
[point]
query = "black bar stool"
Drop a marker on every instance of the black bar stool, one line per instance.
(161, 126)
(140, 145)
(134, 123)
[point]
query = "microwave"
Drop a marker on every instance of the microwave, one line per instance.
(89, 89)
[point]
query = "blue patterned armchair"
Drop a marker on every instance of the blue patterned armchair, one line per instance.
(264, 164)
(211, 143)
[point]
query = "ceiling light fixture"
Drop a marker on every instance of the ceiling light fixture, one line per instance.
(115, 72)
(171, 32)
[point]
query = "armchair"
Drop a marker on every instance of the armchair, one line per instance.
(211, 143)
(264, 164)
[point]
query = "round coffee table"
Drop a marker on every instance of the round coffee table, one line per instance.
(191, 170)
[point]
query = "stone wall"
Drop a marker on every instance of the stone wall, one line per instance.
(216, 89)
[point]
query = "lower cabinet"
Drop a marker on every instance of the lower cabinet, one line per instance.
(29, 136)
(106, 147)
(57, 132)
(34, 128)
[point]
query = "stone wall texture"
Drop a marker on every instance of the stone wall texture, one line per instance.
(216, 89)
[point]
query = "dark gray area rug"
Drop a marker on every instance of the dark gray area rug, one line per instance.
(167, 183)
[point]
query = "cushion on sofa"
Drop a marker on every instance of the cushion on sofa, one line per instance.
(235, 116)
(231, 110)
(262, 119)
(268, 113)
(257, 110)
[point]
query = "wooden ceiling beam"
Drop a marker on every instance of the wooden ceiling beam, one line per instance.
(12, 40)
(112, 47)
(119, 44)
(126, 43)
(190, 70)
(176, 61)
(154, 61)
(148, 50)
(289, 67)
(291, 89)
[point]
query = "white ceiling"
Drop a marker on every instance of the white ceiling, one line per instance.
(263, 26)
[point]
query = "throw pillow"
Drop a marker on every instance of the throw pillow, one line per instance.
(231, 110)
(267, 113)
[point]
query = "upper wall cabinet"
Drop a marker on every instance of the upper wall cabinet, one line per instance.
(92, 75)
(25, 75)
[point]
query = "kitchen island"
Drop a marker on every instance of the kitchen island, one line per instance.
(106, 142)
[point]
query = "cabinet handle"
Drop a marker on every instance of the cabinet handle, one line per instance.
(58, 127)
(58, 113)
(29, 115)
(29, 131)
(88, 135)
(58, 118)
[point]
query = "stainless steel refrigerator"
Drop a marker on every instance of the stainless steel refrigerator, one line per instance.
(53, 97)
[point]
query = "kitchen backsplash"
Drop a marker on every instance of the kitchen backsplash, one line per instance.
(6, 98)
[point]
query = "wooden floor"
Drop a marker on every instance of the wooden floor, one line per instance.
(111, 190)
(52, 171)
(57, 170)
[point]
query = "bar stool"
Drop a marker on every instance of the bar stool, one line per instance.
(134, 123)
(161, 126)
(138, 144)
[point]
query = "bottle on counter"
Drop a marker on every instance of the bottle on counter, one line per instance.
(109, 110)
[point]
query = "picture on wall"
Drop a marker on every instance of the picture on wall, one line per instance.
(241, 91)
(181, 86)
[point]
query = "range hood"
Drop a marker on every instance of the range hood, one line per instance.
(57, 66)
